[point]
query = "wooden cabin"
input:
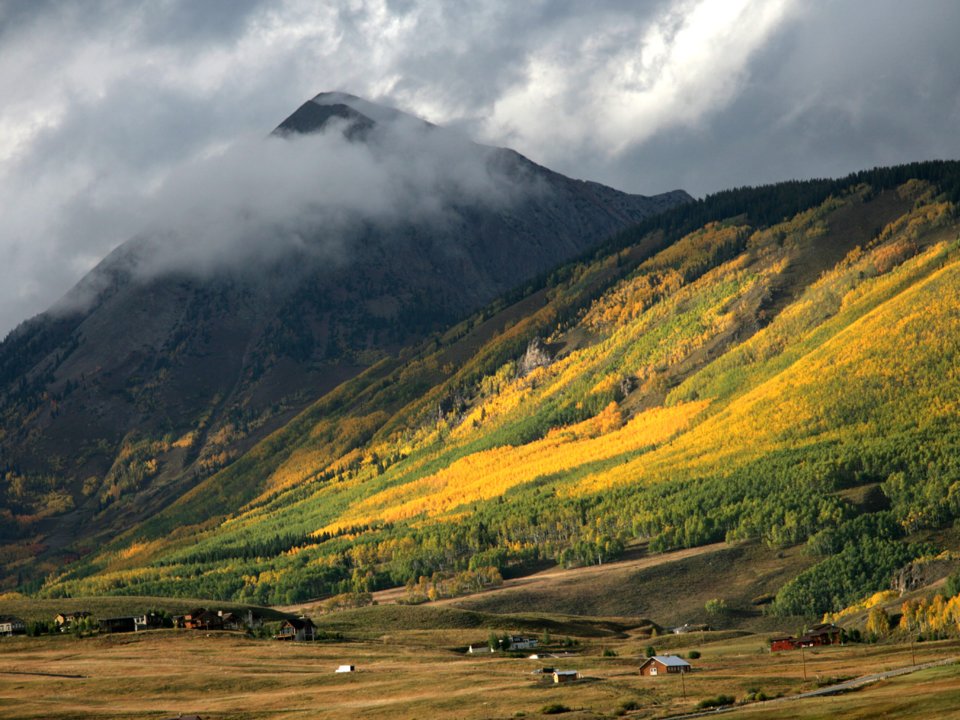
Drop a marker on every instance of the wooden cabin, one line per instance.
(664, 665)
(783, 642)
(297, 629)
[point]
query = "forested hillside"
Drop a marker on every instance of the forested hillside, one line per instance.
(777, 363)
(201, 336)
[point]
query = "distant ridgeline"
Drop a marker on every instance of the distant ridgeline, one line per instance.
(776, 363)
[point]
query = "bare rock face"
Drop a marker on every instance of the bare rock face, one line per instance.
(536, 356)
(924, 571)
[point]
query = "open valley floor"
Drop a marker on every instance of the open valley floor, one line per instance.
(426, 674)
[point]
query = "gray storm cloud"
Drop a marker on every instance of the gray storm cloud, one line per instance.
(262, 197)
(117, 116)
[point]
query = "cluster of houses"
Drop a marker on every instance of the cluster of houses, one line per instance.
(64, 622)
(199, 619)
(823, 634)
(203, 619)
(293, 629)
(651, 667)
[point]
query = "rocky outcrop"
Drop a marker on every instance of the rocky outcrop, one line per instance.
(537, 355)
(924, 571)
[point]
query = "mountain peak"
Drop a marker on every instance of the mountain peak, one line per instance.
(360, 116)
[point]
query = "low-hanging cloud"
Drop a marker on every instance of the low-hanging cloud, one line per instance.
(103, 102)
(261, 198)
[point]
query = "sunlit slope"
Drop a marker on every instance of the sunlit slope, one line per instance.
(812, 399)
(726, 382)
(891, 371)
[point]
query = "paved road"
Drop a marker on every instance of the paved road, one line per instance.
(843, 687)
(867, 679)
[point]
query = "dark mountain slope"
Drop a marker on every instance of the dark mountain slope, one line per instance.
(142, 381)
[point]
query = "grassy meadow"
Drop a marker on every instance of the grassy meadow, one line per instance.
(423, 673)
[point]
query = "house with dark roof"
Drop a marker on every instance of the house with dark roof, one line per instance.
(297, 629)
(126, 623)
(664, 665)
(231, 621)
(10, 625)
(147, 621)
(783, 642)
(519, 642)
(822, 634)
(203, 619)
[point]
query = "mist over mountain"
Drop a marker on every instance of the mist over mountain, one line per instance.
(264, 276)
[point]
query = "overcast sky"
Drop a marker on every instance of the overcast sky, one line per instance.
(102, 101)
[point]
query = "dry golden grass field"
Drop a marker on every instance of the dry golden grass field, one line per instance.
(423, 673)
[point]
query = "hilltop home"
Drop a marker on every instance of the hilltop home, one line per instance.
(564, 676)
(297, 629)
(664, 665)
(10, 625)
(346, 669)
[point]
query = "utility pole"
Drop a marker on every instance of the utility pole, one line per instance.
(804, 663)
(683, 683)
